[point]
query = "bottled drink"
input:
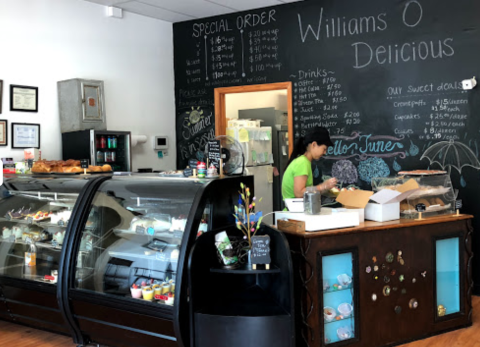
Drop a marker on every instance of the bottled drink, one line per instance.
(103, 142)
(114, 142)
(107, 156)
(109, 142)
(113, 156)
(100, 156)
(97, 142)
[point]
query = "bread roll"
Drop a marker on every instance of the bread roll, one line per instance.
(439, 201)
(106, 168)
(72, 169)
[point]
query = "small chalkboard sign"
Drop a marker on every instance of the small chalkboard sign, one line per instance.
(193, 163)
(84, 163)
(188, 172)
(261, 250)
(458, 204)
(214, 152)
(420, 207)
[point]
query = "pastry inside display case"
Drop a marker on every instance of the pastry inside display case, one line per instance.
(32, 230)
(435, 192)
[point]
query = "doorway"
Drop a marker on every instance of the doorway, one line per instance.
(272, 104)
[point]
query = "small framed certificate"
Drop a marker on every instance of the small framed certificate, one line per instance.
(25, 135)
(3, 132)
(23, 98)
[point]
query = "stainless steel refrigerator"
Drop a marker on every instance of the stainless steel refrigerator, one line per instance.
(100, 147)
(277, 120)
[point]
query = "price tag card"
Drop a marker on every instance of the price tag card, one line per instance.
(420, 207)
(49, 278)
(458, 204)
(84, 163)
(261, 250)
(161, 297)
(54, 243)
(178, 234)
(214, 151)
(140, 230)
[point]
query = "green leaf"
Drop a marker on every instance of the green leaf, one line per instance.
(259, 222)
(260, 200)
(248, 193)
(236, 217)
(236, 208)
(243, 196)
(239, 227)
(242, 185)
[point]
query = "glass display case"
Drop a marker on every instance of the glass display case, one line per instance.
(35, 212)
(130, 244)
(435, 192)
(102, 257)
(338, 297)
(34, 218)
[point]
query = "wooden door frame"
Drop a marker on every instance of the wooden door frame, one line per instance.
(220, 107)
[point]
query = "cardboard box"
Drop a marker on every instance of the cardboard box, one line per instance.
(382, 206)
(385, 204)
(7, 161)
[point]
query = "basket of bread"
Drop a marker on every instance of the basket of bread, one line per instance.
(70, 166)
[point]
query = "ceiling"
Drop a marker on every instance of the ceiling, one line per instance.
(182, 10)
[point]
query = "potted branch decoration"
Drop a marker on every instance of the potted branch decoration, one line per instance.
(248, 221)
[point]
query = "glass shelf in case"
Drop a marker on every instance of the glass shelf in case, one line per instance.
(448, 276)
(338, 297)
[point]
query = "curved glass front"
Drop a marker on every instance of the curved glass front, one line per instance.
(34, 214)
(131, 242)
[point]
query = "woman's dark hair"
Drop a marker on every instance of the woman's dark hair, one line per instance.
(319, 135)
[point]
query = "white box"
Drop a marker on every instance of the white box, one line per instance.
(385, 205)
(326, 220)
(382, 212)
(360, 211)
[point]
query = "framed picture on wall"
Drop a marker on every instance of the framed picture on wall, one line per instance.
(3, 132)
(1, 95)
(25, 135)
(23, 98)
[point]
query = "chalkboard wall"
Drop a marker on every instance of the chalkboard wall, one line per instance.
(383, 76)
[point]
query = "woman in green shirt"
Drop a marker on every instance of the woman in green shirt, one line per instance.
(298, 175)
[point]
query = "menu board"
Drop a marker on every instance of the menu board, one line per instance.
(384, 77)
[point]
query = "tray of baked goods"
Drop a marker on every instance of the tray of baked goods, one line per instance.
(432, 204)
(66, 167)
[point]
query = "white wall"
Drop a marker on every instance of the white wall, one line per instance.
(246, 101)
(45, 41)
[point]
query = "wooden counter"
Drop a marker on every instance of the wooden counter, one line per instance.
(389, 320)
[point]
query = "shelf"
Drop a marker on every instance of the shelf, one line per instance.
(41, 224)
(337, 320)
(243, 270)
(252, 302)
(349, 287)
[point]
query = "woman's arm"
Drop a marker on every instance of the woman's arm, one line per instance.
(327, 185)
(299, 185)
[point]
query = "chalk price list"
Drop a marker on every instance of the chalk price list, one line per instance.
(431, 111)
(263, 50)
(447, 120)
(223, 63)
(319, 101)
